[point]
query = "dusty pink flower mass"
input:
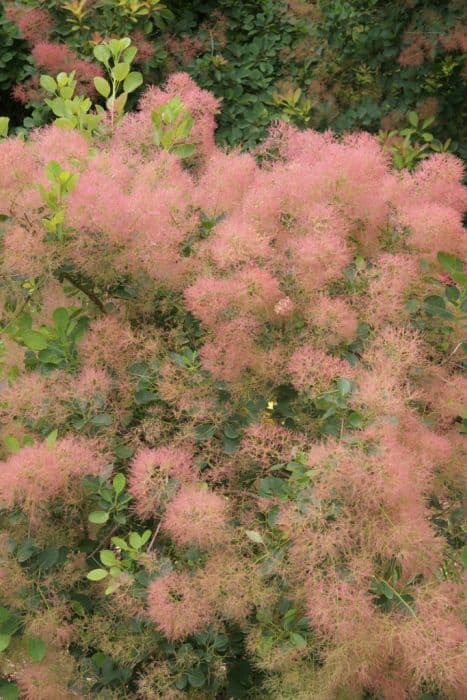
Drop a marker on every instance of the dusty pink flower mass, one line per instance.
(311, 368)
(224, 297)
(37, 474)
(150, 471)
(176, 607)
(196, 516)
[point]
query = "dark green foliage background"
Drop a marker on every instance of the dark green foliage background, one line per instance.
(351, 48)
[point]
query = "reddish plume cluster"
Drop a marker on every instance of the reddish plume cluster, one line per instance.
(237, 306)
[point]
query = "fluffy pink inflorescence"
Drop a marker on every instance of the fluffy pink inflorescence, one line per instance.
(54, 58)
(434, 227)
(176, 606)
(145, 50)
(334, 318)
(225, 179)
(17, 172)
(232, 349)
(35, 475)
(319, 259)
(236, 242)
(92, 382)
(196, 516)
(311, 368)
(150, 473)
(35, 25)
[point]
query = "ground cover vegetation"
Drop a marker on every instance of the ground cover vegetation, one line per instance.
(233, 393)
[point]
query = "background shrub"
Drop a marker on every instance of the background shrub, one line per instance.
(362, 64)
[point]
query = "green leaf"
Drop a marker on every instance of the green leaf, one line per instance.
(96, 574)
(254, 536)
(205, 431)
(129, 54)
(48, 83)
(181, 681)
(5, 640)
(343, 385)
(135, 540)
(413, 118)
(132, 81)
(25, 550)
(9, 691)
(450, 263)
(464, 556)
(36, 648)
(436, 306)
(196, 678)
(102, 53)
(124, 43)
(107, 557)
(143, 397)
(66, 123)
(120, 543)
(62, 78)
(184, 150)
(12, 444)
(51, 438)
(454, 267)
(102, 86)
(34, 340)
(145, 537)
(4, 124)
(118, 483)
(231, 430)
(452, 294)
(120, 71)
(99, 517)
(297, 640)
(124, 451)
(102, 420)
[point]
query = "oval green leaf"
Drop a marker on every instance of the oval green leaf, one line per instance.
(102, 86)
(97, 574)
(120, 71)
(36, 648)
(132, 81)
(48, 83)
(99, 517)
(34, 340)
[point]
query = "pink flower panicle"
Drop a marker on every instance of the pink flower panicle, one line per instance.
(196, 516)
(176, 607)
(36, 475)
(150, 473)
(313, 369)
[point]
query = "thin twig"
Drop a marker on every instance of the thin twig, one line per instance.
(114, 529)
(89, 293)
(153, 539)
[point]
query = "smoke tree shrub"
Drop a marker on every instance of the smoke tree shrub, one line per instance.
(232, 413)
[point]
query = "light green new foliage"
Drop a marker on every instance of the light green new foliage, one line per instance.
(77, 111)
(62, 182)
(72, 111)
(410, 145)
(4, 123)
(172, 127)
(117, 56)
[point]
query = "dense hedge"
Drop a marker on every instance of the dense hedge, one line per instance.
(359, 64)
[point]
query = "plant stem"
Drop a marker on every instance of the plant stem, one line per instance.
(88, 292)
